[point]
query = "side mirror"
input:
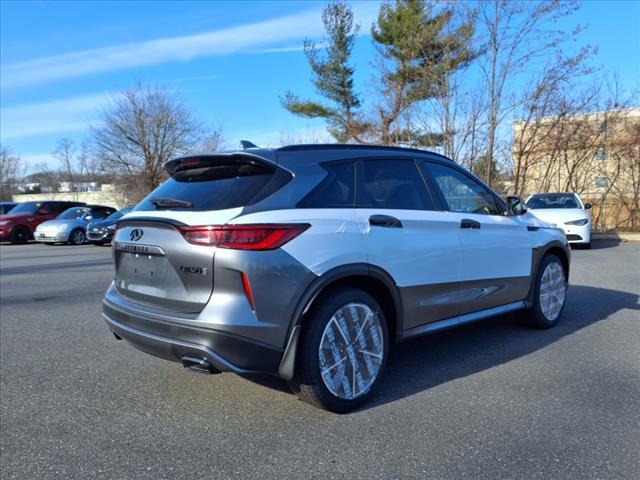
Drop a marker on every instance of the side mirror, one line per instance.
(515, 206)
(587, 206)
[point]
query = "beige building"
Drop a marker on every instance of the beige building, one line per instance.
(107, 195)
(596, 155)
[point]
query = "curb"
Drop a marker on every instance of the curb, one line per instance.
(620, 237)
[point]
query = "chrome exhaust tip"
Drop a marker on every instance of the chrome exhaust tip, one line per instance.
(199, 365)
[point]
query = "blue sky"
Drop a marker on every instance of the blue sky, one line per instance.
(60, 61)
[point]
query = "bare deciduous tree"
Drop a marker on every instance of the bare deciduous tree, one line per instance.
(12, 171)
(518, 34)
(571, 136)
(140, 130)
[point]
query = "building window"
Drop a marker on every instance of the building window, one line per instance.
(602, 182)
(601, 154)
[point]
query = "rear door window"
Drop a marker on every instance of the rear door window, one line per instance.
(216, 187)
(395, 184)
(336, 190)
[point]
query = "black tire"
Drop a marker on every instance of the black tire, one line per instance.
(535, 316)
(77, 237)
(19, 236)
(307, 382)
(586, 246)
(99, 244)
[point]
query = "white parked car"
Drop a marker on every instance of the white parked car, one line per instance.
(566, 211)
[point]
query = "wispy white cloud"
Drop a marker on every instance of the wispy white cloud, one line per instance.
(53, 116)
(254, 37)
(154, 52)
(297, 48)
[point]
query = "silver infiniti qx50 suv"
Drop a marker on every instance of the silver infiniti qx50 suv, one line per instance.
(310, 261)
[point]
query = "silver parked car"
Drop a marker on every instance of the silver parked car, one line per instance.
(71, 225)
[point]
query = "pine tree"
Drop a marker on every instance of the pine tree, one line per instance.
(418, 51)
(332, 77)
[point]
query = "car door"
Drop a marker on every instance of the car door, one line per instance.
(406, 236)
(496, 249)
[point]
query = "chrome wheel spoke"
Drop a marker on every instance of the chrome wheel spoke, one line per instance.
(351, 351)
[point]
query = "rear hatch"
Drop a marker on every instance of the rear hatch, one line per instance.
(155, 265)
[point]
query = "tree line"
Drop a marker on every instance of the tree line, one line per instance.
(138, 130)
(447, 75)
(453, 76)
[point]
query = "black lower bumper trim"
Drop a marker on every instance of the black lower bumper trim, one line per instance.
(226, 353)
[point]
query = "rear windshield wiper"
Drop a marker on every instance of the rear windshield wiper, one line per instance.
(170, 203)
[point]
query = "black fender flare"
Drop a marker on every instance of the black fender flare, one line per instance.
(315, 288)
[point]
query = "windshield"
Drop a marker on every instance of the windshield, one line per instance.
(553, 200)
(26, 207)
(73, 213)
(119, 214)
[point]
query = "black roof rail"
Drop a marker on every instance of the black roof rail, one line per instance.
(349, 146)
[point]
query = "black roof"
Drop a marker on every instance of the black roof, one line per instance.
(350, 146)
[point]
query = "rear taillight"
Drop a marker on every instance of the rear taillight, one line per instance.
(242, 237)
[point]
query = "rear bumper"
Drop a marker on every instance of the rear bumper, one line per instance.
(174, 340)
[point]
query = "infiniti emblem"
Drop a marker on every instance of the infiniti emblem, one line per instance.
(136, 234)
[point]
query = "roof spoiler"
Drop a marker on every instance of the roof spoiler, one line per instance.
(222, 158)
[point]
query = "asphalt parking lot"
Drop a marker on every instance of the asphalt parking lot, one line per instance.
(492, 400)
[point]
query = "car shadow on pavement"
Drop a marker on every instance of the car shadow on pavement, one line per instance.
(602, 244)
(425, 362)
(432, 360)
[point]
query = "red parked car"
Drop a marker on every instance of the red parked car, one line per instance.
(20, 223)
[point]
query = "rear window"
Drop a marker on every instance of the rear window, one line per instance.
(216, 187)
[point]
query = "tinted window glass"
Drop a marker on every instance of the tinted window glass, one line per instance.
(59, 207)
(336, 190)
(26, 207)
(393, 184)
(214, 187)
(74, 213)
(553, 200)
(461, 192)
(98, 213)
(119, 214)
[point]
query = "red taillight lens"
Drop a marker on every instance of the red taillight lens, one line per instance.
(243, 237)
(202, 235)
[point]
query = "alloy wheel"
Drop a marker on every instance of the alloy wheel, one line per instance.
(351, 351)
(552, 291)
